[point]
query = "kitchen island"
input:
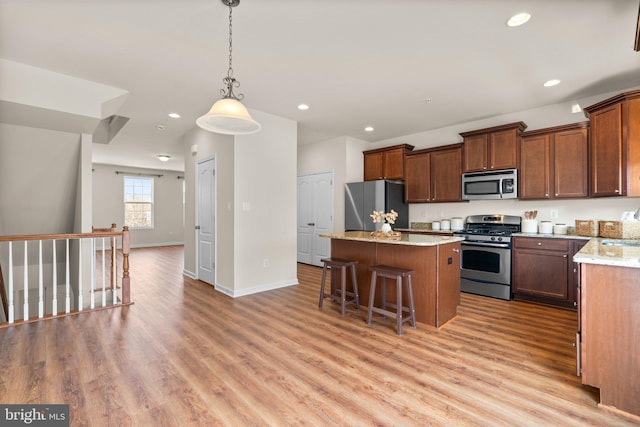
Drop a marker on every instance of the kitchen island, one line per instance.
(609, 321)
(436, 260)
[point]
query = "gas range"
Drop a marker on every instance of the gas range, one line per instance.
(485, 264)
(490, 228)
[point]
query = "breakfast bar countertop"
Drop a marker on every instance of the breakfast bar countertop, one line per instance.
(403, 239)
(617, 254)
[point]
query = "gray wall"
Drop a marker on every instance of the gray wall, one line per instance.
(108, 204)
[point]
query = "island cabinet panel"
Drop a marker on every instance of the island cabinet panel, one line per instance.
(543, 270)
(385, 163)
(492, 148)
(614, 145)
(609, 331)
(554, 162)
(436, 283)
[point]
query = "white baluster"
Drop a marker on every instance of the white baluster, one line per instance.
(80, 299)
(40, 282)
(25, 306)
(114, 268)
(93, 274)
(11, 308)
(104, 274)
(54, 300)
(67, 298)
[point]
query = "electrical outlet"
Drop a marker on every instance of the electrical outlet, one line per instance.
(246, 206)
(265, 262)
(553, 214)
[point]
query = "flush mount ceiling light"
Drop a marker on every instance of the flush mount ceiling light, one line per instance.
(369, 129)
(174, 115)
(164, 157)
(518, 19)
(303, 107)
(552, 82)
(228, 115)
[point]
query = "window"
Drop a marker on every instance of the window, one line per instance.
(138, 202)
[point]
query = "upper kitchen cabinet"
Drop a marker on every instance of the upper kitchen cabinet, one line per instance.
(553, 162)
(434, 175)
(492, 148)
(615, 145)
(385, 163)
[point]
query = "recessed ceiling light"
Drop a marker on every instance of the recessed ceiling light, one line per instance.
(518, 19)
(369, 129)
(174, 115)
(551, 82)
(303, 107)
(164, 157)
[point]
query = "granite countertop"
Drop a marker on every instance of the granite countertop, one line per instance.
(552, 236)
(594, 252)
(403, 239)
(424, 231)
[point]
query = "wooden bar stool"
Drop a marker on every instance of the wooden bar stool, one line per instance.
(340, 264)
(386, 272)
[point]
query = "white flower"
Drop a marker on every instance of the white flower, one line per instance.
(380, 216)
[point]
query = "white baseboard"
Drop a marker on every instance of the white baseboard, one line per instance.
(190, 274)
(256, 289)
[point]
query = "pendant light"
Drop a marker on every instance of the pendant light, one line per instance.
(228, 115)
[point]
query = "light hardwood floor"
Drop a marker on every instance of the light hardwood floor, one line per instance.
(185, 354)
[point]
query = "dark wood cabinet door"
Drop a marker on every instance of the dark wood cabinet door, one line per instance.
(574, 272)
(606, 152)
(446, 175)
(475, 153)
(570, 167)
(373, 164)
(417, 183)
(503, 149)
(541, 273)
(393, 164)
(535, 169)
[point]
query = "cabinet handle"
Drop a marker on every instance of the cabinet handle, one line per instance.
(539, 243)
(617, 191)
(556, 194)
(547, 195)
(564, 256)
(575, 304)
(456, 250)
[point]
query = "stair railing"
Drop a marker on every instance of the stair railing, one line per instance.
(85, 253)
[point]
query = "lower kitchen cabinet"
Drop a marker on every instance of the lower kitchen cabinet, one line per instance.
(543, 270)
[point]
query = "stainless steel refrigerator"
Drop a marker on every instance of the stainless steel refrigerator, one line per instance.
(362, 198)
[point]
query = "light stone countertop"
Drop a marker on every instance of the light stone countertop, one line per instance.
(552, 236)
(403, 239)
(595, 252)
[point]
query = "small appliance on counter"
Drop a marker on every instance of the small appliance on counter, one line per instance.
(445, 224)
(457, 224)
(545, 227)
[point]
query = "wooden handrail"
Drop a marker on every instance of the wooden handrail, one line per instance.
(22, 237)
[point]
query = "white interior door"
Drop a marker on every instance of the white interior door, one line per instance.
(315, 216)
(206, 221)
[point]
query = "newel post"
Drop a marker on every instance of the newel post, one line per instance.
(113, 256)
(126, 280)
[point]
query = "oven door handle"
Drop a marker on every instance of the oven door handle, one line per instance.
(487, 245)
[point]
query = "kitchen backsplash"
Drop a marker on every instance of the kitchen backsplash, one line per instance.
(609, 208)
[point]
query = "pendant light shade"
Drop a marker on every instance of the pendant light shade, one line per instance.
(228, 115)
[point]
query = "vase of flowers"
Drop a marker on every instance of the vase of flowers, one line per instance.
(385, 218)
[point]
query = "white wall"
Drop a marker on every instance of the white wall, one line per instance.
(257, 171)
(343, 157)
(108, 204)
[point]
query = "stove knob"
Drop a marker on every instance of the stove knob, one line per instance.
(499, 239)
(493, 238)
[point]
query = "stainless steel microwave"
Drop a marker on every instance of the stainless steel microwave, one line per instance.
(501, 184)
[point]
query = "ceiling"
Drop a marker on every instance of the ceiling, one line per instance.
(401, 66)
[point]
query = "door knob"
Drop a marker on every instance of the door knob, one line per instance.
(311, 224)
(197, 227)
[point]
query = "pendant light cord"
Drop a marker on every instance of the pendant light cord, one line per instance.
(230, 70)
